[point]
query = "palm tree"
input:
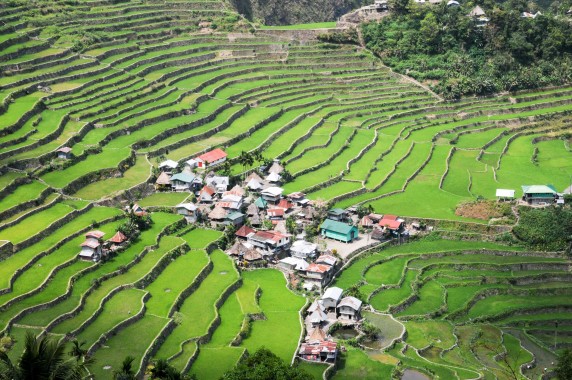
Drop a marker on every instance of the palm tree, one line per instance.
(126, 372)
(43, 358)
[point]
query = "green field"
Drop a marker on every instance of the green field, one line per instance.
(128, 84)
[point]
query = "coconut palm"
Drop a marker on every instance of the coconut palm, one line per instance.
(126, 372)
(43, 358)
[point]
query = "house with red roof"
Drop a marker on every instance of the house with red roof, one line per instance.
(212, 158)
(269, 240)
(275, 213)
(319, 274)
(391, 222)
(319, 351)
(117, 241)
(244, 232)
(206, 195)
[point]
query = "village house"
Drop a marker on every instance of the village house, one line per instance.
(270, 241)
(275, 214)
(273, 178)
(272, 194)
(118, 240)
(188, 210)
(246, 255)
(261, 203)
(182, 181)
(479, 15)
(218, 215)
(504, 194)
(285, 204)
(320, 351)
(163, 182)
(252, 210)
(234, 218)
(136, 210)
(64, 153)
(206, 195)
(318, 318)
(327, 260)
(168, 166)
(319, 274)
(391, 223)
(366, 222)
(338, 214)
(92, 247)
(303, 249)
(276, 167)
(338, 231)
(530, 15)
(331, 298)
(539, 194)
(299, 199)
(244, 232)
(349, 308)
(230, 201)
(220, 184)
(210, 159)
(254, 185)
(293, 263)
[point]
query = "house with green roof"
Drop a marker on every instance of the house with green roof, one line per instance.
(182, 181)
(261, 203)
(538, 194)
(338, 231)
(234, 218)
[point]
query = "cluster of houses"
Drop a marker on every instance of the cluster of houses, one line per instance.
(330, 308)
(94, 248)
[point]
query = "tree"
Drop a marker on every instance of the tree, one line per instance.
(126, 372)
(363, 210)
(291, 225)
(264, 365)
(43, 358)
(162, 370)
(246, 159)
(563, 369)
(77, 351)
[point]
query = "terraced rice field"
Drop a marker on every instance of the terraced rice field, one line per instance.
(177, 78)
(463, 303)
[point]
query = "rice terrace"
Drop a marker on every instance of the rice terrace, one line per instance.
(181, 182)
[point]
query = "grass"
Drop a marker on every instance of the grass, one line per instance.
(355, 364)
(163, 199)
(38, 222)
(200, 238)
(198, 312)
(109, 187)
(280, 306)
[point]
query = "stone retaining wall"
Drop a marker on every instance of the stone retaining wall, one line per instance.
(51, 228)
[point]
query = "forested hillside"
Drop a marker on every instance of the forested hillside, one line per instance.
(459, 53)
(273, 12)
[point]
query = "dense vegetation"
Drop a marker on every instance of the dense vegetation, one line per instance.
(264, 365)
(445, 47)
(548, 228)
(287, 12)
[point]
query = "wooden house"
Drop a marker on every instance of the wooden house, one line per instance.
(64, 153)
(338, 231)
(188, 210)
(349, 308)
(92, 247)
(331, 297)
